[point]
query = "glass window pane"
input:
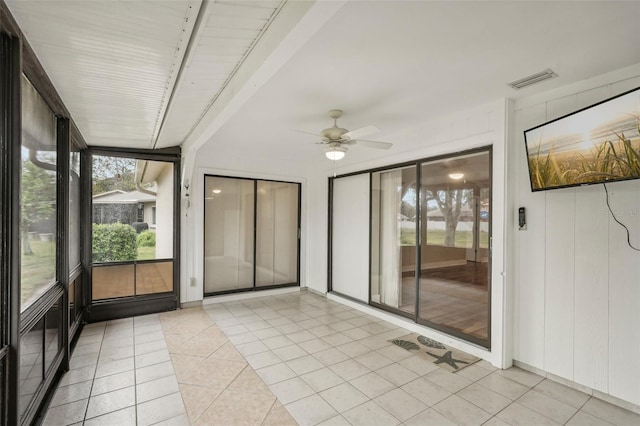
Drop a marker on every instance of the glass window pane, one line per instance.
(277, 233)
(228, 234)
(154, 277)
(37, 196)
(393, 238)
(53, 321)
(454, 283)
(31, 364)
(74, 208)
(109, 281)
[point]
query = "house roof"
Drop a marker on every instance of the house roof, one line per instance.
(121, 197)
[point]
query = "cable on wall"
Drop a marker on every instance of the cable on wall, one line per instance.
(616, 219)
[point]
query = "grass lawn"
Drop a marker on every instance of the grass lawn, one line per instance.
(146, 253)
(38, 269)
(464, 239)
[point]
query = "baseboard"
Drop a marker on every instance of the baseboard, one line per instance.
(194, 304)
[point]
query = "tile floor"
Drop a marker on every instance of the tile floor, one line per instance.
(294, 358)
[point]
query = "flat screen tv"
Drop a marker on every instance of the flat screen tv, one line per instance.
(597, 144)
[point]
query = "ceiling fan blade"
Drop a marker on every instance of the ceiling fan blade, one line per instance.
(374, 144)
(360, 133)
(309, 133)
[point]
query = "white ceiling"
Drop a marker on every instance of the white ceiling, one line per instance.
(392, 64)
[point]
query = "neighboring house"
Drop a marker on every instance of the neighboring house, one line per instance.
(124, 207)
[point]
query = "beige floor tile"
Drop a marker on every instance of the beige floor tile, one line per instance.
(152, 358)
(322, 379)
(275, 373)
(262, 359)
(111, 401)
(373, 360)
(291, 390)
(400, 404)
(368, 414)
(461, 412)
(228, 352)
(549, 407)
(156, 388)
(562, 393)
(372, 385)
(71, 393)
(519, 415)
(343, 397)
(305, 364)
(213, 372)
(611, 413)
(197, 399)
(349, 369)
(484, 398)
(311, 410)
(582, 418)
(115, 367)
(429, 417)
(182, 364)
(338, 420)
(153, 372)
(279, 416)
(495, 421)
(126, 416)
(78, 375)
(66, 414)
(113, 382)
(160, 409)
(248, 381)
(521, 376)
(397, 374)
(502, 385)
(225, 409)
(473, 372)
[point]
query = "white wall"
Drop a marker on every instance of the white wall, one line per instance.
(577, 283)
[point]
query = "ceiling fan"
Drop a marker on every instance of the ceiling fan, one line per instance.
(337, 138)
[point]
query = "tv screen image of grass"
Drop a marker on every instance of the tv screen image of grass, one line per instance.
(598, 144)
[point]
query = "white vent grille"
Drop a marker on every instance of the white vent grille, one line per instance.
(533, 79)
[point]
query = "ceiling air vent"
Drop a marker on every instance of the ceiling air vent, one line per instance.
(533, 79)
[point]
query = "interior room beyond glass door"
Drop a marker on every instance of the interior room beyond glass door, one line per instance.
(229, 224)
(251, 234)
(455, 262)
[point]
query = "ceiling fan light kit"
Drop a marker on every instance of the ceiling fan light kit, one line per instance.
(337, 138)
(335, 153)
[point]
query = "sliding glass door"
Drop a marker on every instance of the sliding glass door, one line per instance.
(430, 234)
(229, 236)
(251, 234)
(455, 212)
(393, 239)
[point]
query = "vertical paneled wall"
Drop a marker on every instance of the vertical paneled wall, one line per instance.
(577, 283)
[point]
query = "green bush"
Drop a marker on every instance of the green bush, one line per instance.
(114, 242)
(147, 239)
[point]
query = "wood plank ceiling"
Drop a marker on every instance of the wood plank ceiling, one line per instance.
(141, 74)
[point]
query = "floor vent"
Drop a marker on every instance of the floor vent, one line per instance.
(533, 79)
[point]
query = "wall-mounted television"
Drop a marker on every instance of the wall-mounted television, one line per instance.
(597, 144)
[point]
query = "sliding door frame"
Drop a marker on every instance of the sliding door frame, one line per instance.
(254, 287)
(486, 343)
(129, 306)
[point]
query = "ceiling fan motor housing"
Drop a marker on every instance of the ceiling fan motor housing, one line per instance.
(333, 133)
